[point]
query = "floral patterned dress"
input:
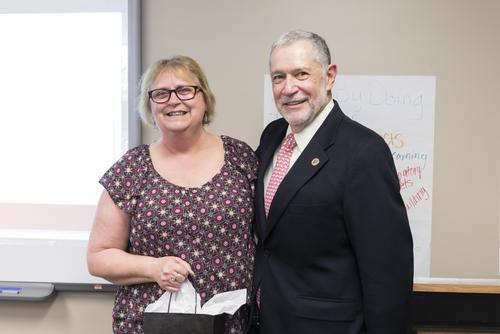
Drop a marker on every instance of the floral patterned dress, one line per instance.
(207, 226)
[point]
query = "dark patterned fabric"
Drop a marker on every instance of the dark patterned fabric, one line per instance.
(207, 226)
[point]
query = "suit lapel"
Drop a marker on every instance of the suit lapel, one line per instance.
(266, 153)
(296, 177)
(310, 162)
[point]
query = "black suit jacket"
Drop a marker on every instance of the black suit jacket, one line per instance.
(335, 254)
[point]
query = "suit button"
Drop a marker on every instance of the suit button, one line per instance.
(267, 253)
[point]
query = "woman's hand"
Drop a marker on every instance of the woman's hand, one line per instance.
(171, 272)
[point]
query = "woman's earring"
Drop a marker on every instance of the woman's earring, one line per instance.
(205, 118)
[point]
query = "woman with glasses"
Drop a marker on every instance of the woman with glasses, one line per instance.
(177, 209)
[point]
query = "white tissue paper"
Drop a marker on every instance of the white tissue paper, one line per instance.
(183, 301)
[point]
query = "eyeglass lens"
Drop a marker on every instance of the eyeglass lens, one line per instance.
(162, 95)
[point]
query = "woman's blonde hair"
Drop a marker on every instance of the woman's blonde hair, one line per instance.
(176, 64)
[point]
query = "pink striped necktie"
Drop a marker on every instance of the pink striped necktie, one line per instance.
(280, 169)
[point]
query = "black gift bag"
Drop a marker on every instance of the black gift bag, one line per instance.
(183, 323)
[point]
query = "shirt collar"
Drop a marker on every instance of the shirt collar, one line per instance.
(304, 137)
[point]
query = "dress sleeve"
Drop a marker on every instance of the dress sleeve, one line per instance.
(241, 155)
(121, 180)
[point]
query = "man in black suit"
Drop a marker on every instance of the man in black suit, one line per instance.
(334, 251)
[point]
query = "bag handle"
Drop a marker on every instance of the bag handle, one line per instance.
(195, 302)
(169, 301)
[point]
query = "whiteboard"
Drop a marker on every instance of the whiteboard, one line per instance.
(67, 95)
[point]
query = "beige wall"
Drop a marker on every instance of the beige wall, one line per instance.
(455, 40)
(66, 313)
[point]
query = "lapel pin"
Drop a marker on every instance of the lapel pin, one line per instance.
(315, 161)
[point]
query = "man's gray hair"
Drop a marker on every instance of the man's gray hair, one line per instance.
(322, 52)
